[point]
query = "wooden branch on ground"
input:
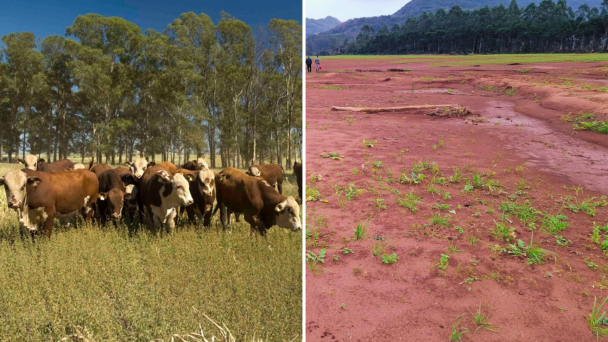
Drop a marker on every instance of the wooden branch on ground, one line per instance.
(452, 107)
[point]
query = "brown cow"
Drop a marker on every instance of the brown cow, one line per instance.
(58, 166)
(111, 196)
(262, 206)
(161, 193)
(98, 169)
(169, 166)
(272, 173)
(39, 197)
(297, 170)
(196, 165)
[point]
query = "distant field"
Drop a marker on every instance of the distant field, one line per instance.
(103, 284)
(449, 60)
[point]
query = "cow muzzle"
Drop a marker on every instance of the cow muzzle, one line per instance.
(13, 204)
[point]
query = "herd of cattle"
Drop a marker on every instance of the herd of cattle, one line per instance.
(155, 192)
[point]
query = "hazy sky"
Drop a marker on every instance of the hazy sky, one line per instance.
(44, 17)
(349, 9)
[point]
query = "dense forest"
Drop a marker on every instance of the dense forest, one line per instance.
(545, 28)
(110, 91)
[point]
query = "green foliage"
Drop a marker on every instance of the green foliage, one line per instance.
(409, 201)
(598, 322)
(555, 224)
(313, 259)
(389, 259)
(443, 262)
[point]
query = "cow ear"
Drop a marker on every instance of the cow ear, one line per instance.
(2, 181)
(195, 162)
(280, 207)
(163, 176)
(34, 180)
(41, 160)
(20, 161)
(128, 163)
(150, 164)
(102, 196)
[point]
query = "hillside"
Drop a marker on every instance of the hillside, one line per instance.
(351, 28)
(314, 26)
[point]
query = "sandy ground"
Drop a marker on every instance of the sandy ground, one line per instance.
(518, 140)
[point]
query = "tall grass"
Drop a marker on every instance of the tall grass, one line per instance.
(137, 287)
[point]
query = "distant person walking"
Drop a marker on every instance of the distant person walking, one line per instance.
(318, 63)
(308, 64)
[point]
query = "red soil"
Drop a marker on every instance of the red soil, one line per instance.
(358, 297)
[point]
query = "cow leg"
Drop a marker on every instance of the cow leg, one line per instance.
(207, 216)
(255, 224)
(171, 221)
(223, 210)
(280, 187)
(191, 214)
(48, 223)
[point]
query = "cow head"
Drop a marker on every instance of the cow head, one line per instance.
(288, 214)
(181, 187)
(79, 166)
(202, 164)
(254, 171)
(206, 182)
(15, 182)
(139, 166)
(30, 162)
(114, 200)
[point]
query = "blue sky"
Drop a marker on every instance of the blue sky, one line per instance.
(349, 9)
(48, 17)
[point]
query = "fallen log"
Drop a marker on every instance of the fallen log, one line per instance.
(450, 107)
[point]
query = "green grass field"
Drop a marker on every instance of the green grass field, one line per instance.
(449, 60)
(103, 284)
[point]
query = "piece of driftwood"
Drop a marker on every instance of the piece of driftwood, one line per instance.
(450, 107)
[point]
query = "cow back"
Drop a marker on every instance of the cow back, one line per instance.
(55, 167)
(98, 169)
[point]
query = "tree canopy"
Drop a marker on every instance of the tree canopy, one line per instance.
(545, 28)
(110, 91)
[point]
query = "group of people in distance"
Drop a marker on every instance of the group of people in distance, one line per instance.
(309, 64)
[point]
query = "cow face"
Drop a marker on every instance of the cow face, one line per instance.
(114, 200)
(288, 214)
(139, 166)
(181, 188)
(206, 182)
(30, 162)
(15, 182)
(254, 171)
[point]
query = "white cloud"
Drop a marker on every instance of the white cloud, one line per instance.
(349, 9)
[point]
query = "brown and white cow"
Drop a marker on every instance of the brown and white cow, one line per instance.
(39, 197)
(30, 162)
(162, 193)
(139, 166)
(54, 167)
(297, 170)
(261, 205)
(272, 173)
(196, 165)
(202, 189)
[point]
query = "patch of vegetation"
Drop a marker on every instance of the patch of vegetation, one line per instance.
(588, 205)
(360, 230)
(482, 322)
(416, 178)
(369, 143)
(502, 232)
(313, 195)
(443, 262)
(409, 201)
(331, 155)
(314, 259)
(598, 323)
(352, 192)
(389, 259)
(534, 254)
(555, 224)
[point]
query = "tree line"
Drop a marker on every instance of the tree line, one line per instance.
(548, 27)
(110, 91)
